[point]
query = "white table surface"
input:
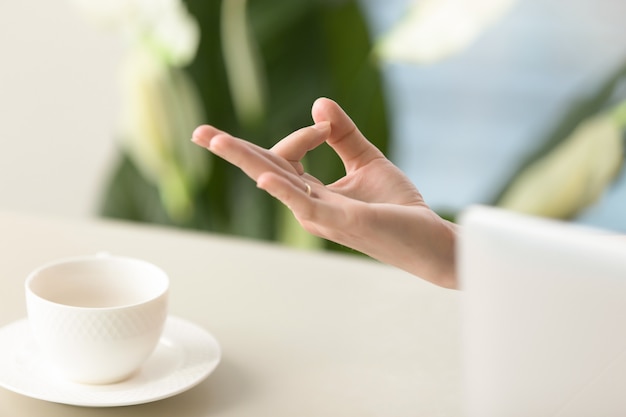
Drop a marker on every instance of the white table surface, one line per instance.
(303, 333)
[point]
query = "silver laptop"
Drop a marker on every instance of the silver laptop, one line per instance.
(544, 317)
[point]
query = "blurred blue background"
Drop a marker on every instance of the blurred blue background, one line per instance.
(461, 126)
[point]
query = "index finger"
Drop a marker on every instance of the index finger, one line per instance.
(352, 147)
(295, 146)
(250, 158)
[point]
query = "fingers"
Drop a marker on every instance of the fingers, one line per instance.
(283, 159)
(202, 135)
(345, 138)
(250, 158)
(306, 208)
(295, 146)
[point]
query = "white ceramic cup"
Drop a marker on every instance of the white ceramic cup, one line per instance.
(97, 318)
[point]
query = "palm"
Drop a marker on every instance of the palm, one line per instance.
(378, 182)
(374, 208)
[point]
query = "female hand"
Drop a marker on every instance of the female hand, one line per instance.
(374, 208)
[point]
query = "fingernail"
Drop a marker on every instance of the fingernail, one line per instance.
(322, 126)
(200, 141)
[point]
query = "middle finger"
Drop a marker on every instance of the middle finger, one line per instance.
(250, 158)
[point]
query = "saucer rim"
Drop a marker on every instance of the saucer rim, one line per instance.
(172, 321)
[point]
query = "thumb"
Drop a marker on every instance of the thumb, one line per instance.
(345, 138)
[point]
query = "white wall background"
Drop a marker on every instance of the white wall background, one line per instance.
(58, 100)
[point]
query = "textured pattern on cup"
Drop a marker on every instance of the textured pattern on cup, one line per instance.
(97, 324)
(105, 340)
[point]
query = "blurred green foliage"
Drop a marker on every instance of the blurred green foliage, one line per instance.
(307, 49)
(607, 94)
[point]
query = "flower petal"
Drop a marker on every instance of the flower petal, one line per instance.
(436, 29)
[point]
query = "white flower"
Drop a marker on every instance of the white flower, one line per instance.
(160, 105)
(177, 33)
(436, 29)
(160, 110)
(163, 25)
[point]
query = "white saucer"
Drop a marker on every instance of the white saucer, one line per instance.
(185, 356)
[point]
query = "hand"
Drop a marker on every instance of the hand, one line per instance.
(374, 208)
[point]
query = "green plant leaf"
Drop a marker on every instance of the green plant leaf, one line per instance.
(307, 49)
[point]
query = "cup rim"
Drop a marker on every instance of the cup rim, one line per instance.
(100, 256)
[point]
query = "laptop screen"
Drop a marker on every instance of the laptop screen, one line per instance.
(543, 317)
